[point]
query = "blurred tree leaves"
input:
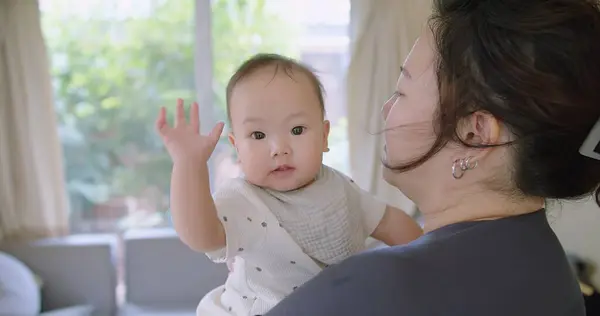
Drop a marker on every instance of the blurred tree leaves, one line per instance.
(112, 71)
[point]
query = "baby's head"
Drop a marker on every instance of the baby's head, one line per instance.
(278, 127)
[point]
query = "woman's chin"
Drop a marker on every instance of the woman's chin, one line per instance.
(389, 176)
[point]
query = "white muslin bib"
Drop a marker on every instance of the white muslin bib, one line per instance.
(279, 240)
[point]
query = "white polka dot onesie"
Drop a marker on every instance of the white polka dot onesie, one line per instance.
(277, 241)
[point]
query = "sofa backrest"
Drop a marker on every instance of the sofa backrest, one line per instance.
(161, 270)
(75, 270)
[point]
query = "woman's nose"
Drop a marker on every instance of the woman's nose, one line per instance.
(385, 109)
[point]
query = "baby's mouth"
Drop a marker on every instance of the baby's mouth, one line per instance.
(283, 168)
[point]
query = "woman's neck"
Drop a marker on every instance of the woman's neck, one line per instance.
(475, 207)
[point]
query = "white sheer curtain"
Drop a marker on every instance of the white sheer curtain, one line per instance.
(33, 201)
(382, 32)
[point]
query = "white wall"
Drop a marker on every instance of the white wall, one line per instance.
(577, 225)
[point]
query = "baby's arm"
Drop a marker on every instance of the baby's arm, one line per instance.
(193, 209)
(192, 206)
(386, 223)
(396, 228)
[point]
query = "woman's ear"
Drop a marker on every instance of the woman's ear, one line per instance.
(480, 128)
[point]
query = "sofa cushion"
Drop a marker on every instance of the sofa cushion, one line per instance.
(80, 310)
(161, 271)
(163, 310)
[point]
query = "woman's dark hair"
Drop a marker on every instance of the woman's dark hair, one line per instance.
(535, 66)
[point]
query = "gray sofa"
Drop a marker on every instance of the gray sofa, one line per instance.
(161, 275)
(77, 272)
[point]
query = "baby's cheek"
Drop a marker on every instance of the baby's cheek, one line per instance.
(255, 164)
(251, 152)
(312, 158)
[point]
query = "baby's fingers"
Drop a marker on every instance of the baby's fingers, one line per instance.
(195, 117)
(180, 114)
(162, 127)
(216, 132)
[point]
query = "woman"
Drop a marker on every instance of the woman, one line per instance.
(492, 106)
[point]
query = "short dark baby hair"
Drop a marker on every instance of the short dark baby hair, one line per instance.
(281, 63)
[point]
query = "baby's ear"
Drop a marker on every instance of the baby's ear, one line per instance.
(326, 128)
(231, 138)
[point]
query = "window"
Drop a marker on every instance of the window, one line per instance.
(115, 62)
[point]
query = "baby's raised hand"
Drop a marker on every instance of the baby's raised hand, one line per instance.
(184, 141)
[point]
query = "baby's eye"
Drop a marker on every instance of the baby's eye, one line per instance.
(258, 135)
(298, 130)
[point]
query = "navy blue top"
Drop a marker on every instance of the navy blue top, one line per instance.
(507, 267)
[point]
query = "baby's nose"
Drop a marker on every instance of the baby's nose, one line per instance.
(280, 149)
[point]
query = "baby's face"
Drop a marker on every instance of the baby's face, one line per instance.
(278, 129)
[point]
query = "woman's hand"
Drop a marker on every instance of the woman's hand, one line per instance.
(184, 141)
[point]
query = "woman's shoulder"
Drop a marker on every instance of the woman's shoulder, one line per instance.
(379, 270)
(388, 262)
(372, 281)
(517, 260)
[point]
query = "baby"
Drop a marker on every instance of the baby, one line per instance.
(289, 216)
